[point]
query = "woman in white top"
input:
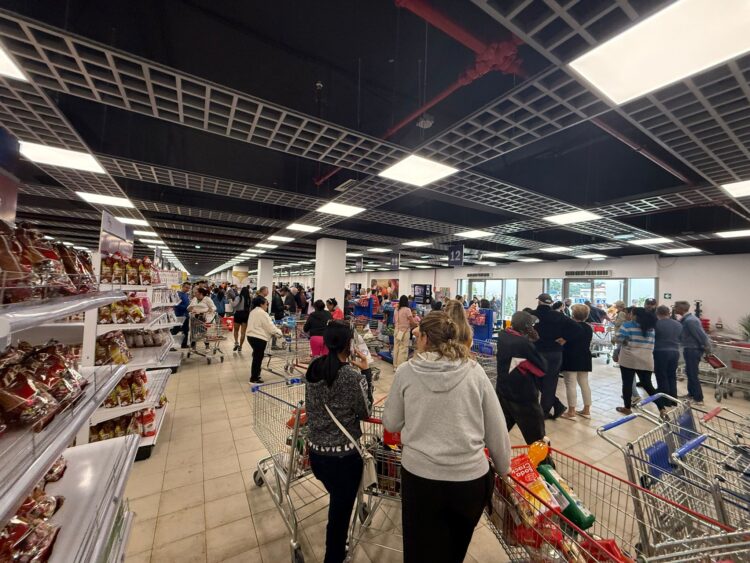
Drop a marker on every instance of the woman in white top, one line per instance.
(203, 308)
(260, 329)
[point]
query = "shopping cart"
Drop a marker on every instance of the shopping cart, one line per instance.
(736, 375)
(377, 519)
(282, 351)
(279, 421)
(209, 331)
(485, 352)
(696, 470)
(631, 523)
(601, 341)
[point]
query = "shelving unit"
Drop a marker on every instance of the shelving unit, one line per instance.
(93, 487)
(151, 357)
(154, 321)
(157, 382)
(120, 541)
(161, 414)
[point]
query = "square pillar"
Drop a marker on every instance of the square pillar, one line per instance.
(330, 269)
(265, 273)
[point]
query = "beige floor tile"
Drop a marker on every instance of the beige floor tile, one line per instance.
(141, 535)
(249, 460)
(146, 507)
(142, 557)
(188, 400)
(185, 444)
(182, 476)
(214, 450)
(240, 421)
(243, 432)
(227, 509)
(252, 556)
(220, 437)
(223, 486)
(244, 445)
(280, 550)
(231, 540)
(187, 550)
(218, 467)
(180, 458)
(269, 526)
(218, 425)
(186, 430)
(144, 485)
(178, 525)
(259, 499)
(179, 498)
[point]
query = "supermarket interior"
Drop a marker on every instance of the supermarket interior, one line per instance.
(374, 281)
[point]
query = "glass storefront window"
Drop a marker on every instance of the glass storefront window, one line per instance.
(510, 298)
(608, 291)
(640, 289)
(463, 288)
(554, 286)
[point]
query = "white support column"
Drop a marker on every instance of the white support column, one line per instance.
(330, 269)
(265, 273)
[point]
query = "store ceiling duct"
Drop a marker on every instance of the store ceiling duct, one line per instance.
(683, 39)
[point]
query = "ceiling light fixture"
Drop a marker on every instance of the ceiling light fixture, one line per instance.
(417, 243)
(650, 241)
(340, 209)
(700, 37)
(485, 263)
(145, 233)
(624, 236)
(591, 256)
(64, 158)
(494, 255)
(417, 171)
(264, 245)
(303, 228)
(280, 238)
(418, 261)
(738, 189)
(473, 234)
(81, 248)
(68, 243)
(378, 250)
(105, 199)
(149, 240)
(354, 254)
(556, 249)
(423, 267)
(47, 237)
(529, 259)
(443, 258)
(728, 234)
(10, 69)
(687, 250)
(572, 217)
(131, 221)
(197, 246)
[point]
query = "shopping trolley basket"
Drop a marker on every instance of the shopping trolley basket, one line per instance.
(208, 331)
(282, 351)
(692, 469)
(279, 421)
(485, 352)
(377, 520)
(601, 341)
(532, 528)
(736, 375)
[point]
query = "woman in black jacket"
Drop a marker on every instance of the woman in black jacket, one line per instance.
(576, 364)
(315, 326)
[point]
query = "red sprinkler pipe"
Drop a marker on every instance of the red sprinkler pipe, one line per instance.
(439, 20)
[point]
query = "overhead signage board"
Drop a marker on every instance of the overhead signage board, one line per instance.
(396, 261)
(456, 255)
(359, 264)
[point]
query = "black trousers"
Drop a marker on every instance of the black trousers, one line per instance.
(548, 383)
(665, 369)
(368, 377)
(528, 416)
(340, 476)
(628, 374)
(439, 517)
(185, 330)
(259, 351)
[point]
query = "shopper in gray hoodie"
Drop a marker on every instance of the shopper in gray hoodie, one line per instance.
(447, 411)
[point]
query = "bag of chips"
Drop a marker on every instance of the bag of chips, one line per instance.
(131, 271)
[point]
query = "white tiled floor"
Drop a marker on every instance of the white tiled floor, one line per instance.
(195, 499)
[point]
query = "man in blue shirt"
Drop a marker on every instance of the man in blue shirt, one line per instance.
(695, 343)
(666, 352)
(180, 310)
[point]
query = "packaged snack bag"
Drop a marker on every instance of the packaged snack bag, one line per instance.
(108, 263)
(534, 501)
(134, 312)
(104, 315)
(148, 420)
(124, 396)
(22, 400)
(572, 507)
(118, 269)
(131, 271)
(145, 271)
(57, 470)
(119, 312)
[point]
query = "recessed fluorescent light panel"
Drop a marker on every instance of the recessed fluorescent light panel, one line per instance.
(474, 234)
(264, 245)
(9, 68)
(688, 250)
(556, 249)
(68, 243)
(354, 254)
(701, 33)
(494, 255)
(131, 221)
(572, 217)
(591, 256)
(47, 237)
(738, 189)
(650, 241)
(105, 199)
(64, 158)
(280, 238)
(340, 209)
(529, 259)
(417, 171)
(725, 234)
(145, 233)
(149, 240)
(303, 228)
(418, 261)
(378, 250)
(417, 243)
(485, 263)
(80, 248)
(423, 267)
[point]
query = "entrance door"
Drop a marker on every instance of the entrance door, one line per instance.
(476, 288)
(598, 292)
(578, 291)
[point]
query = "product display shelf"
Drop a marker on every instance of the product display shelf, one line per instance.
(157, 382)
(22, 316)
(153, 321)
(131, 288)
(120, 541)
(93, 487)
(160, 415)
(162, 304)
(149, 358)
(25, 456)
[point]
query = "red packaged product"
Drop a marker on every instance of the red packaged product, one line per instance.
(37, 545)
(22, 400)
(134, 311)
(124, 396)
(104, 315)
(57, 470)
(107, 266)
(44, 261)
(14, 532)
(145, 271)
(131, 271)
(73, 267)
(134, 426)
(118, 268)
(39, 505)
(148, 420)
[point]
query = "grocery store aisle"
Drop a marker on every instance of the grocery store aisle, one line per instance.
(195, 499)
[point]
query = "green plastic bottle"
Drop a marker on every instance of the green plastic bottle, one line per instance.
(575, 511)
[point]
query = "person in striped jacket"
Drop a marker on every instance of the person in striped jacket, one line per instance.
(636, 337)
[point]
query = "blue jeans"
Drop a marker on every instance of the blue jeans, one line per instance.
(692, 359)
(665, 369)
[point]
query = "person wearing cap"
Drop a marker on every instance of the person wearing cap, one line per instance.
(519, 367)
(650, 305)
(566, 307)
(554, 330)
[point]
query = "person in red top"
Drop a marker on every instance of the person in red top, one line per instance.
(336, 312)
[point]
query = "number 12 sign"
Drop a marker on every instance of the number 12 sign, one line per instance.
(456, 255)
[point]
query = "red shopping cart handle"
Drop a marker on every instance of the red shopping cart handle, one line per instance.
(712, 413)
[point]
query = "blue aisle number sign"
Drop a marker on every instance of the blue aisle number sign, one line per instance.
(456, 255)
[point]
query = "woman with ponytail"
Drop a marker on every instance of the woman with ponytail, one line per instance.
(336, 402)
(444, 405)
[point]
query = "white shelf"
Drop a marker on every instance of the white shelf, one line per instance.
(93, 487)
(164, 304)
(130, 288)
(117, 553)
(160, 415)
(21, 316)
(25, 456)
(149, 358)
(152, 322)
(157, 382)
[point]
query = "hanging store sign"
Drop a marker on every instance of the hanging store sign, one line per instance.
(116, 236)
(396, 261)
(456, 255)
(359, 265)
